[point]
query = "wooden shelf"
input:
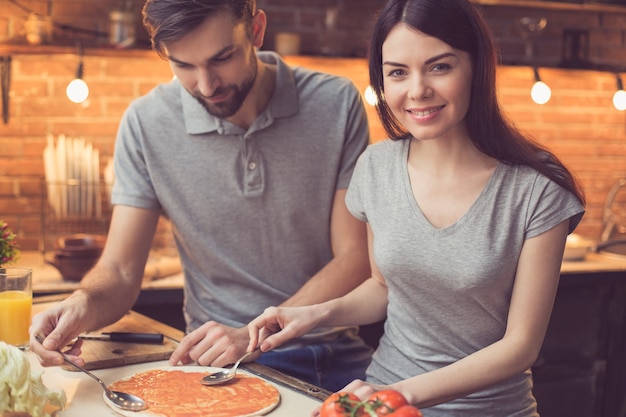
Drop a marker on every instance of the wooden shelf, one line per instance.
(64, 46)
(15, 49)
(553, 5)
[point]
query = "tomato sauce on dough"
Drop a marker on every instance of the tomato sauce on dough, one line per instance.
(175, 393)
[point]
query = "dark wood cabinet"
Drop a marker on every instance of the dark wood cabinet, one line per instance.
(581, 370)
(165, 306)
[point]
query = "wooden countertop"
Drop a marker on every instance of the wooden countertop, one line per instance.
(595, 263)
(85, 395)
(47, 279)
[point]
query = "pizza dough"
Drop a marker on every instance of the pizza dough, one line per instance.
(176, 391)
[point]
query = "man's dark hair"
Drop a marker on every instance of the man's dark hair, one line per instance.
(170, 20)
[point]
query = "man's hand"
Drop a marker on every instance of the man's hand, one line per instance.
(57, 327)
(212, 344)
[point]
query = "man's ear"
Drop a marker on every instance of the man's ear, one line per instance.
(259, 24)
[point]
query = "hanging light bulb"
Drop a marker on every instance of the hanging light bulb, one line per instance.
(370, 96)
(78, 90)
(619, 98)
(540, 93)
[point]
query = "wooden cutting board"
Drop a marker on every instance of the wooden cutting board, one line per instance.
(100, 354)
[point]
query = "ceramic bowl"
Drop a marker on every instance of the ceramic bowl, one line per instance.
(72, 269)
(76, 254)
(80, 245)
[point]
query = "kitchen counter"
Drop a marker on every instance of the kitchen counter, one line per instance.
(162, 298)
(161, 294)
(47, 279)
(84, 395)
(595, 263)
(581, 359)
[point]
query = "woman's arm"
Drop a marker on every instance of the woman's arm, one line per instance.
(365, 304)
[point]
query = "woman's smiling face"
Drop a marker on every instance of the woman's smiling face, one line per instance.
(427, 83)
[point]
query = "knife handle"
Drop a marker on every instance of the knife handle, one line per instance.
(131, 337)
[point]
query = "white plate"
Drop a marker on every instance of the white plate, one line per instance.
(227, 389)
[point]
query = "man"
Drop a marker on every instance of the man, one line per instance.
(250, 160)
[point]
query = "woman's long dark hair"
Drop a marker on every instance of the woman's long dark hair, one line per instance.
(170, 20)
(458, 23)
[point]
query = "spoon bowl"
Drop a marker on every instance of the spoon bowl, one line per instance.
(123, 400)
(223, 377)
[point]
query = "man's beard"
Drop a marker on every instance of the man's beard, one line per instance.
(231, 106)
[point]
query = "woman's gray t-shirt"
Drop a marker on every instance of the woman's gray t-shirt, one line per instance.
(450, 288)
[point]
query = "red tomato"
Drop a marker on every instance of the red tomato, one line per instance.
(384, 402)
(388, 403)
(406, 411)
(340, 404)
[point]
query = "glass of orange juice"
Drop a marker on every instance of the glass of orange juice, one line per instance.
(16, 299)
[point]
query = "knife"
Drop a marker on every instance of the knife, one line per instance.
(125, 337)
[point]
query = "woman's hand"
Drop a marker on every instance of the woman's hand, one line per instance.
(363, 389)
(360, 399)
(277, 325)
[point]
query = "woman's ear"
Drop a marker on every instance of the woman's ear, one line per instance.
(259, 24)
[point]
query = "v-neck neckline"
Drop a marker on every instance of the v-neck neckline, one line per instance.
(476, 206)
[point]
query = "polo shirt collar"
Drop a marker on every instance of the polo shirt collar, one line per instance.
(283, 103)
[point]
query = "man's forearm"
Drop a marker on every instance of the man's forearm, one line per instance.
(337, 278)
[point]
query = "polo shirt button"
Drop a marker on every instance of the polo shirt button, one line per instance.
(251, 165)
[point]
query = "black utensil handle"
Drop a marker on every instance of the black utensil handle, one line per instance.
(153, 338)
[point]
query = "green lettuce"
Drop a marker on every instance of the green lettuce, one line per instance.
(21, 388)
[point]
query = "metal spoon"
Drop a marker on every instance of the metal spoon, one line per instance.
(119, 399)
(222, 377)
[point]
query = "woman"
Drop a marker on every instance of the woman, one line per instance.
(467, 221)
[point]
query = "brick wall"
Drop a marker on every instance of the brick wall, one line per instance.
(39, 107)
(579, 123)
(348, 33)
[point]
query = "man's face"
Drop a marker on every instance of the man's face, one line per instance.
(217, 63)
